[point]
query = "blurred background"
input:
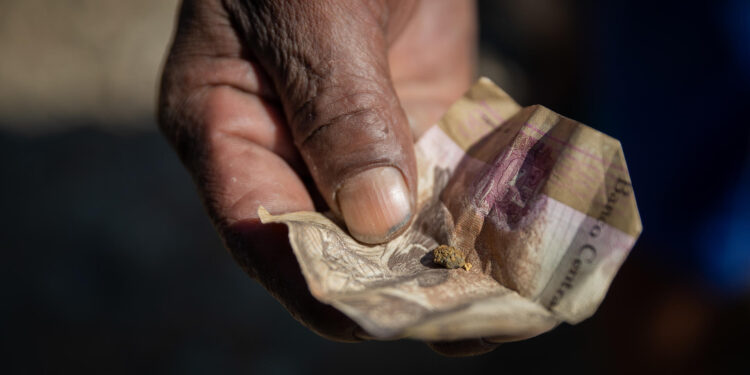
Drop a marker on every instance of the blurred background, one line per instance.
(110, 265)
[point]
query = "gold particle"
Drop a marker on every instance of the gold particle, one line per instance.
(450, 257)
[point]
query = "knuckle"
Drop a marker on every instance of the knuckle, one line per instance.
(176, 117)
(360, 112)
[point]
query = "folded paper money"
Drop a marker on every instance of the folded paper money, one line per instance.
(541, 205)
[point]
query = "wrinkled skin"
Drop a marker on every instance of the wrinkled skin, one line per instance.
(278, 103)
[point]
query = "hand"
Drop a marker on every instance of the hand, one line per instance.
(305, 105)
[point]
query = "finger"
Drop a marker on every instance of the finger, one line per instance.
(330, 68)
(217, 110)
(462, 348)
(432, 61)
(247, 176)
(236, 176)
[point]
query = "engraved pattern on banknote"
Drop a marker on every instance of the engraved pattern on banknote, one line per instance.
(514, 200)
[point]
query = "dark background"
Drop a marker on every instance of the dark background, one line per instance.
(110, 265)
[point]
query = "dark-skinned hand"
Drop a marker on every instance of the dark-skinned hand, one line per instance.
(301, 105)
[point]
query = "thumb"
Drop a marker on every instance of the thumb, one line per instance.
(329, 63)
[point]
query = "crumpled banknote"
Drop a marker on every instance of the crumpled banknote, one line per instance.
(542, 206)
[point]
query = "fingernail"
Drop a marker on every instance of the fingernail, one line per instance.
(375, 204)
